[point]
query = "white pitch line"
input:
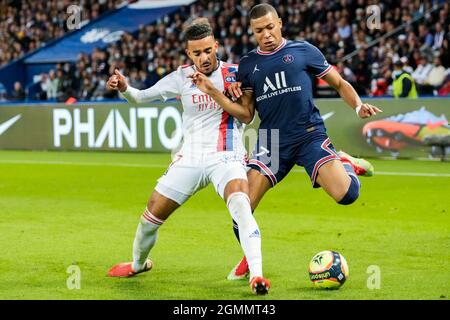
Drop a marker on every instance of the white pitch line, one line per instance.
(138, 165)
(412, 174)
(98, 164)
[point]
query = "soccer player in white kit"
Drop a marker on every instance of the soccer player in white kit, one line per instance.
(212, 151)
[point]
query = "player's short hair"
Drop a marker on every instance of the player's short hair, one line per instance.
(260, 10)
(199, 29)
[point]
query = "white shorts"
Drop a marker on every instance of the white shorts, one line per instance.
(188, 174)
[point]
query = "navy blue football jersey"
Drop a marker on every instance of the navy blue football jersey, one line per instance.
(282, 87)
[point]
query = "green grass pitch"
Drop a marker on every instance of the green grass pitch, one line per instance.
(60, 209)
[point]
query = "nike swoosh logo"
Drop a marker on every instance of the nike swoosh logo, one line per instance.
(327, 115)
(6, 125)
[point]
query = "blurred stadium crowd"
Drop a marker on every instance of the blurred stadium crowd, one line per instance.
(337, 28)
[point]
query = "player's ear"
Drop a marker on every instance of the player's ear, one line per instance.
(188, 53)
(281, 22)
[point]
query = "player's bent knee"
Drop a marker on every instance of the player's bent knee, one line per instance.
(352, 192)
(238, 198)
(234, 186)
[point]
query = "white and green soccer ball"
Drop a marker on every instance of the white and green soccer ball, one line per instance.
(328, 270)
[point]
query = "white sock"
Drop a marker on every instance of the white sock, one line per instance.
(250, 237)
(145, 238)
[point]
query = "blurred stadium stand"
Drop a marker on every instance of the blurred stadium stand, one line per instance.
(144, 40)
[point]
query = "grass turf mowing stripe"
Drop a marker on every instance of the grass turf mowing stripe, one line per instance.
(113, 164)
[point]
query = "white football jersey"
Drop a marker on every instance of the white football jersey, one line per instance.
(206, 126)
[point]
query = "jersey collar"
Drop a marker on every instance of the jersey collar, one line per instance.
(266, 53)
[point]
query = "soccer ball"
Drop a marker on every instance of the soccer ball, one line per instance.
(328, 270)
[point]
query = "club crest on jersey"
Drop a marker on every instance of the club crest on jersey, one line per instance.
(288, 58)
(231, 77)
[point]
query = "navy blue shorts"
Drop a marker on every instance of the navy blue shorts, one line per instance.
(311, 152)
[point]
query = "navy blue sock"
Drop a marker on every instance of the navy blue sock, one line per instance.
(348, 167)
(236, 231)
(352, 192)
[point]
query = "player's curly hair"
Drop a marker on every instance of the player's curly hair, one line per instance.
(198, 29)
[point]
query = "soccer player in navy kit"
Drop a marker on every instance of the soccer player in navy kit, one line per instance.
(275, 80)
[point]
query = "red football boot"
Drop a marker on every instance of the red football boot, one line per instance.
(361, 166)
(240, 271)
(125, 269)
(260, 286)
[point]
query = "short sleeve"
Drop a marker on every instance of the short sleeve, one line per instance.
(317, 64)
(243, 76)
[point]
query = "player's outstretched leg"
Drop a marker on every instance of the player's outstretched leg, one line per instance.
(238, 204)
(146, 235)
(258, 186)
(144, 241)
(360, 166)
(339, 180)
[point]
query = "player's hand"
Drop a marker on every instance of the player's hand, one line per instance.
(117, 82)
(234, 90)
(202, 82)
(368, 110)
